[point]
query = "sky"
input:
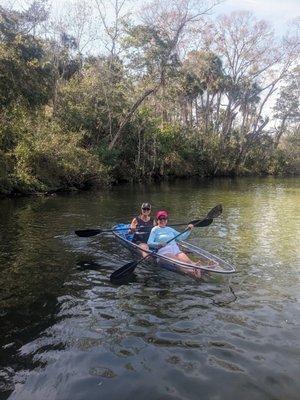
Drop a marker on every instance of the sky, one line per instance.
(278, 12)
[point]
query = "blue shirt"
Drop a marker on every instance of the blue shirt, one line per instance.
(165, 234)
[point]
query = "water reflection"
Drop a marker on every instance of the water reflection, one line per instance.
(66, 332)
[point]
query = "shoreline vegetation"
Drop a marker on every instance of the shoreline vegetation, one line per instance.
(88, 101)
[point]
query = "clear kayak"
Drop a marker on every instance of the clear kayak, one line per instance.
(202, 260)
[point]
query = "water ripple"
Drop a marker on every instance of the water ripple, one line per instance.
(67, 333)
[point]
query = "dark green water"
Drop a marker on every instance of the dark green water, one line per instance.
(67, 333)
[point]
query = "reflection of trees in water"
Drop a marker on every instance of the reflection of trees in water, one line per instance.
(23, 317)
(33, 270)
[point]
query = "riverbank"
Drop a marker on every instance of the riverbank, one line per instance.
(108, 186)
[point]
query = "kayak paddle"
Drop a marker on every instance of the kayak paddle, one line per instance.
(214, 212)
(128, 268)
(94, 232)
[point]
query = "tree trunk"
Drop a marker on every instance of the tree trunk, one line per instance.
(279, 133)
(128, 116)
(243, 154)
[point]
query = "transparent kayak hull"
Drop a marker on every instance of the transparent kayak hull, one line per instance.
(202, 260)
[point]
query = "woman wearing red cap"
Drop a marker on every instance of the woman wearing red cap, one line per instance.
(162, 233)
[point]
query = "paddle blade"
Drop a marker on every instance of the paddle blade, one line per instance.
(123, 272)
(215, 212)
(203, 222)
(88, 232)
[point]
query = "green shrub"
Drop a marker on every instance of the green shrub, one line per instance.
(48, 158)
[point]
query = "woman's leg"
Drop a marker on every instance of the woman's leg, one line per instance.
(183, 257)
(144, 246)
(194, 272)
(179, 256)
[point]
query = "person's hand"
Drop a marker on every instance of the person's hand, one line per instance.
(161, 245)
(133, 225)
(190, 226)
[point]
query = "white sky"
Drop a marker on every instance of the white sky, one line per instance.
(278, 12)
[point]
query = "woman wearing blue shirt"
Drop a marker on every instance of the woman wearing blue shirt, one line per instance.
(162, 233)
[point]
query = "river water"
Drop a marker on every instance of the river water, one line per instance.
(67, 333)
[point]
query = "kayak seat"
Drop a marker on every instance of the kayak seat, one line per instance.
(121, 228)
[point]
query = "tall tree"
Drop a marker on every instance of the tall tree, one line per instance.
(204, 82)
(287, 107)
(154, 45)
(24, 72)
(253, 58)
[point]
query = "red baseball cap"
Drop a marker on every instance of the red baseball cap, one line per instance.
(162, 213)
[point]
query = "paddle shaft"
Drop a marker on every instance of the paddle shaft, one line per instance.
(95, 231)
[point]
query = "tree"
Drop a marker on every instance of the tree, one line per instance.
(25, 74)
(94, 100)
(154, 46)
(113, 26)
(204, 80)
(255, 63)
(65, 61)
(287, 107)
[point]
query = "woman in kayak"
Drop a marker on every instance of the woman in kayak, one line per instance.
(141, 226)
(162, 233)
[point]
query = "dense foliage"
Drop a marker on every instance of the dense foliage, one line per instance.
(146, 108)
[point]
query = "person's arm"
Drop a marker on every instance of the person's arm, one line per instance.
(151, 240)
(133, 225)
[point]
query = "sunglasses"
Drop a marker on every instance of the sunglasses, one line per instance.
(162, 218)
(146, 209)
